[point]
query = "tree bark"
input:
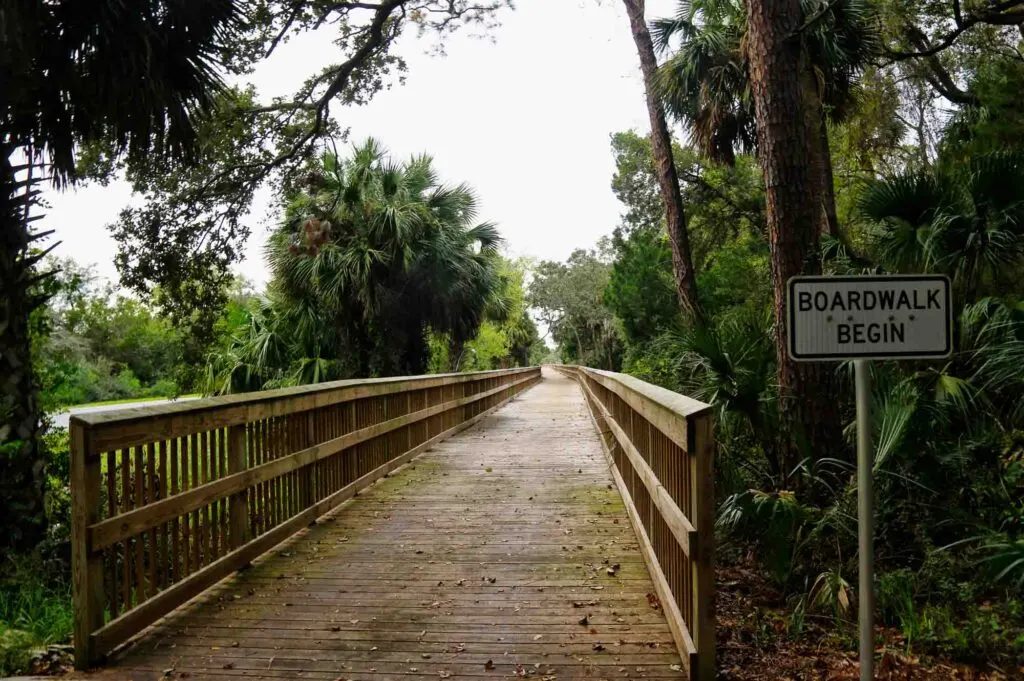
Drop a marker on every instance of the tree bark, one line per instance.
(830, 220)
(668, 176)
(789, 120)
(22, 466)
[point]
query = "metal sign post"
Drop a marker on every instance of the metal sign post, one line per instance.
(864, 318)
(865, 520)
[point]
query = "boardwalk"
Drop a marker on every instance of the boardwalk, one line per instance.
(502, 552)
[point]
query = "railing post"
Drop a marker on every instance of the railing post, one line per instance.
(86, 565)
(238, 505)
(702, 453)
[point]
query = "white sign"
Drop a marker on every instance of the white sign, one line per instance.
(869, 317)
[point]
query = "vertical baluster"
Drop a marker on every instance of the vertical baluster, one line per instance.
(111, 554)
(197, 530)
(164, 486)
(272, 446)
(140, 567)
(210, 528)
(255, 443)
(213, 509)
(176, 558)
(225, 507)
(188, 519)
(126, 571)
(149, 454)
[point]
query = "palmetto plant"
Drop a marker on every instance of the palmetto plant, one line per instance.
(392, 254)
(964, 222)
(133, 77)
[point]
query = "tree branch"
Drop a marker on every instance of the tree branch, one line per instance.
(996, 15)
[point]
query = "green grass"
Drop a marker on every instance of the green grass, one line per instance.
(33, 613)
(128, 400)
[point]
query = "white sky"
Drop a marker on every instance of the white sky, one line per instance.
(524, 119)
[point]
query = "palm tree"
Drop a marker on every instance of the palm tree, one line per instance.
(705, 83)
(131, 77)
(372, 255)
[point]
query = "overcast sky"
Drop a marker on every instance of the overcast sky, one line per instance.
(525, 119)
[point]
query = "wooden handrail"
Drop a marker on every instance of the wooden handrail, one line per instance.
(168, 500)
(660, 447)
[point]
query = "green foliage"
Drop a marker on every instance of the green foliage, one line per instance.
(93, 344)
(372, 257)
(508, 335)
(35, 610)
(569, 298)
(640, 290)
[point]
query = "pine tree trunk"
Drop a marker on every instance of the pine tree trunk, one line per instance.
(789, 128)
(668, 176)
(22, 467)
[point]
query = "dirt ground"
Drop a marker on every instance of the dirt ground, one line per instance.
(753, 643)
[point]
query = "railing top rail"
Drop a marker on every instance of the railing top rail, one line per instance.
(673, 401)
(132, 414)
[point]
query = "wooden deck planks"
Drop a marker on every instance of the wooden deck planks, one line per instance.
(479, 559)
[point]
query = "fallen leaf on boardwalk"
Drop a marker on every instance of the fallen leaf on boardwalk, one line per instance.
(520, 672)
(613, 570)
(489, 665)
(444, 675)
(652, 600)
(598, 647)
(335, 628)
(538, 637)
(676, 667)
(374, 648)
(229, 665)
(425, 656)
(492, 580)
(596, 588)
(354, 621)
(234, 644)
(585, 620)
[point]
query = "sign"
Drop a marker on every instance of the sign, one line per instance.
(869, 317)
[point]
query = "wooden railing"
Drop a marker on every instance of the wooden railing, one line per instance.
(170, 499)
(661, 451)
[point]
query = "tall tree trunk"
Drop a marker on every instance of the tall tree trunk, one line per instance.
(789, 138)
(668, 176)
(22, 466)
(829, 221)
